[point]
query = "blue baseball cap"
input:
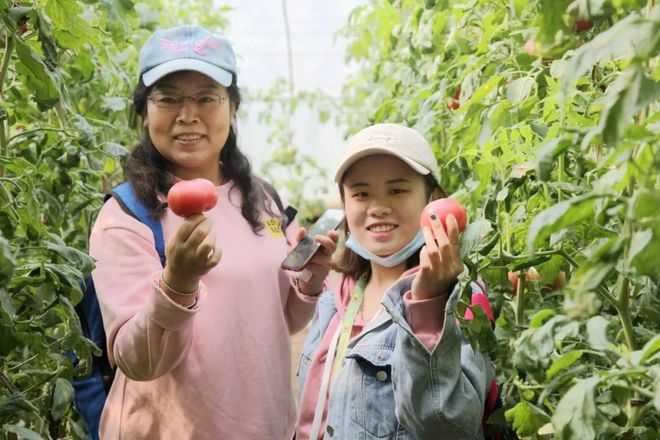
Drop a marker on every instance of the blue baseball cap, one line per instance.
(187, 48)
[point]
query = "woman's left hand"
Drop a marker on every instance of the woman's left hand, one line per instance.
(439, 260)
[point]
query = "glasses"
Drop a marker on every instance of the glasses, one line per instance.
(206, 101)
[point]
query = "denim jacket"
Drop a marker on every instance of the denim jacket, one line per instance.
(391, 387)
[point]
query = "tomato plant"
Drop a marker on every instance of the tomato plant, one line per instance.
(442, 208)
(554, 151)
(194, 196)
(66, 72)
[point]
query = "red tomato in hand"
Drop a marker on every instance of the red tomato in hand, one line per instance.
(442, 208)
(190, 197)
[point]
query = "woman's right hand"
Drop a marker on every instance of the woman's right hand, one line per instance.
(191, 253)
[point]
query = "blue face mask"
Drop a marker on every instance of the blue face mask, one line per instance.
(393, 260)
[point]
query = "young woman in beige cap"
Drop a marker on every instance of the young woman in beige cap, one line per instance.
(385, 358)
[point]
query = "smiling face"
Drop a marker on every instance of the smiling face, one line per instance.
(190, 137)
(383, 199)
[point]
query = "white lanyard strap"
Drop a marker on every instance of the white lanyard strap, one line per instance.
(325, 381)
(336, 351)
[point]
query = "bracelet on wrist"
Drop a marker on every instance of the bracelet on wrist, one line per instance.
(296, 285)
(177, 292)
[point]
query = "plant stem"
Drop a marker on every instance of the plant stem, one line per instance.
(4, 67)
(624, 314)
(623, 297)
(560, 177)
(520, 300)
(37, 130)
(6, 381)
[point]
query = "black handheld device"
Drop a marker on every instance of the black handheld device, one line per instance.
(307, 247)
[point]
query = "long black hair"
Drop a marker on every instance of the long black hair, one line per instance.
(148, 171)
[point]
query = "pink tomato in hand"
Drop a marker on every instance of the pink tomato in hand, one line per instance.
(442, 208)
(189, 197)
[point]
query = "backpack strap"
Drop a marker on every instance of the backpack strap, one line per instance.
(288, 213)
(129, 202)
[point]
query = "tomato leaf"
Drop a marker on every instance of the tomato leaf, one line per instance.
(41, 82)
(597, 333)
(576, 412)
(563, 362)
(526, 418)
(22, 432)
(651, 348)
(559, 216)
(62, 398)
(541, 317)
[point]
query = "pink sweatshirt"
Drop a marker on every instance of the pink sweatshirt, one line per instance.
(218, 371)
(424, 316)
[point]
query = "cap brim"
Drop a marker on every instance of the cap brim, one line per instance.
(221, 76)
(350, 160)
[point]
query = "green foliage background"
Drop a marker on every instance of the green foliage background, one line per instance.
(66, 76)
(554, 154)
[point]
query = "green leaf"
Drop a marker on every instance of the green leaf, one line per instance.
(541, 317)
(72, 31)
(545, 158)
(575, 417)
(550, 270)
(482, 92)
(73, 256)
(623, 100)
(651, 348)
(644, 252)
(591, 276)
(114, 149)
(645, 205)
(13, 405)
(519, 90)
(656, 399)
(39, 80)
(551, 20)
(473, 236)
(563, 362)
(7, 261)
(597, 333)
(526, 418)
(532, 350)
(22, 432)
(62, 398)
(631, 36)
(560, 216)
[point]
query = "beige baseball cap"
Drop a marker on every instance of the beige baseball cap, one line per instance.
(393, 139)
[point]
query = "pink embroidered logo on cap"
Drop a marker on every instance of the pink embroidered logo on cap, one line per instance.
(203, 44)
(199, 46)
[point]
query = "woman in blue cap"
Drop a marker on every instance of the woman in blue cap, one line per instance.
(201, 344)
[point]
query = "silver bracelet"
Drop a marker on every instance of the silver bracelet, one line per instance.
(177, 292)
